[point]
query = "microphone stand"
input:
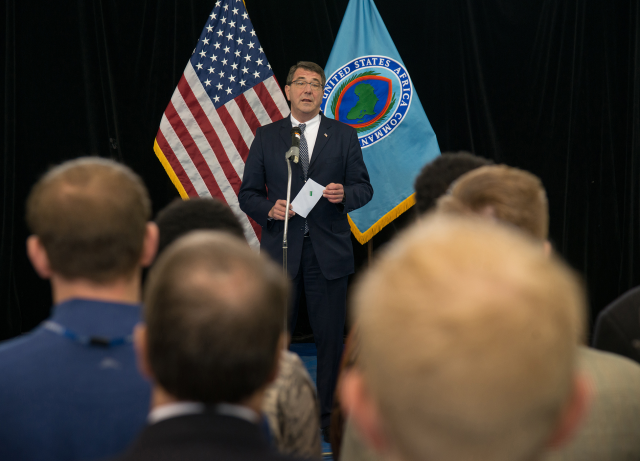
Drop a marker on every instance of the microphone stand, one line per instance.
(293, 152)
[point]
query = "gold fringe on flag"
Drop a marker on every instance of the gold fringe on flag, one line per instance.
(386, 219)
(172, 174)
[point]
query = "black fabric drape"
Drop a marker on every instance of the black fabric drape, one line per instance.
(9, 308)
(551, 87)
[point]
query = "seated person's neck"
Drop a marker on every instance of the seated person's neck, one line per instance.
(124, 290)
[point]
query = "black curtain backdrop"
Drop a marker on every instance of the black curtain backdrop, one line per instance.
(550, 87)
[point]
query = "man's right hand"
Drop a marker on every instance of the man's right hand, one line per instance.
(277, 212)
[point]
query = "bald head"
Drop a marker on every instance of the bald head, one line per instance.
(214, 311)
(468, 335)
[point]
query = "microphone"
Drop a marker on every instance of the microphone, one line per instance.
(294, 151)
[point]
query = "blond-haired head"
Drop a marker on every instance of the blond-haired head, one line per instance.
(508, 194)
(468, 337)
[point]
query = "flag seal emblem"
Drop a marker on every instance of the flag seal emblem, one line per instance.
(371, 94)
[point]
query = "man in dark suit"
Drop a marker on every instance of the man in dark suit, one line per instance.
(210, 345)
(290, 405)
(320, 255)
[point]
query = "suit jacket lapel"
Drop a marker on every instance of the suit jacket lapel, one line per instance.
(285, 133)
(324, 133)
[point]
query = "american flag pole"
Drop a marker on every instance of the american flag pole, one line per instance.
(227, 91)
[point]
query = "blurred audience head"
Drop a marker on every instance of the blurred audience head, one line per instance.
(183, 216)
(504, 193)
(90, 216)
(436, 177)
(468, 341)
(213, 317)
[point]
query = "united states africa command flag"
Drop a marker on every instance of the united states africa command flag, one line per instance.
(369, 88)
(226, 92)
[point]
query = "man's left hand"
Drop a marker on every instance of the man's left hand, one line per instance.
(334, 193)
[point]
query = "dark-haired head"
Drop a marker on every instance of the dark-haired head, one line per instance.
(436, 177)
(183, 216)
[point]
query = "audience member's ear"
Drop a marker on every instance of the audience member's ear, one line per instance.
(488, 212)
(150, 244)
(140, 346)
(38, 257)
(359, 406)
(282, 346)
(573, 413)
(548, 248)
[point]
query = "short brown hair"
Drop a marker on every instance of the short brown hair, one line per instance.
(514, 196)
(90, 215)
(307, 65)
(214, 311)
(468, 336)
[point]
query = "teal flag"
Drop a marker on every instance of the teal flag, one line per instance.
(369, 88)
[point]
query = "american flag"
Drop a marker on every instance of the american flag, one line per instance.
(227, 91)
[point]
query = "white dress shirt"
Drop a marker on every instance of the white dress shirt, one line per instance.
(310, 132)
(172, 410)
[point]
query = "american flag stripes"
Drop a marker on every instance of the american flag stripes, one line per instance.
(227, 91)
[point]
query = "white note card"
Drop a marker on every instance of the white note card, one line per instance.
(307, 198)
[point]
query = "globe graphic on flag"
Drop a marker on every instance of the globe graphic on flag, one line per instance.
(364, 101)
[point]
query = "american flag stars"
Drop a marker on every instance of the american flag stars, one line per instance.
(232, 24)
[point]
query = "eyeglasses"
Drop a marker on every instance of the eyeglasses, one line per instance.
(301, 84)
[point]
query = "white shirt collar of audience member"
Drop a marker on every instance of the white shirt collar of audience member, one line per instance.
(172, 410)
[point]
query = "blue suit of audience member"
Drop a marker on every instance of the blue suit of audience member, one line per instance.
(62, 400)
(322, 269)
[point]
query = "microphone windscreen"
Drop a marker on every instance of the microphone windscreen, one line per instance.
(295, 136)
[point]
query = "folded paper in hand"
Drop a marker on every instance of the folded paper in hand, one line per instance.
(307, 198)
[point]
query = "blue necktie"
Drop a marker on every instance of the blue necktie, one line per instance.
(304, 160)
(304, 151)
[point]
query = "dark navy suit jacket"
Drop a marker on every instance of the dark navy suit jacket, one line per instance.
(336, 158)
(201, 437)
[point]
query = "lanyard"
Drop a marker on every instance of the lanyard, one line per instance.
(100, 341)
